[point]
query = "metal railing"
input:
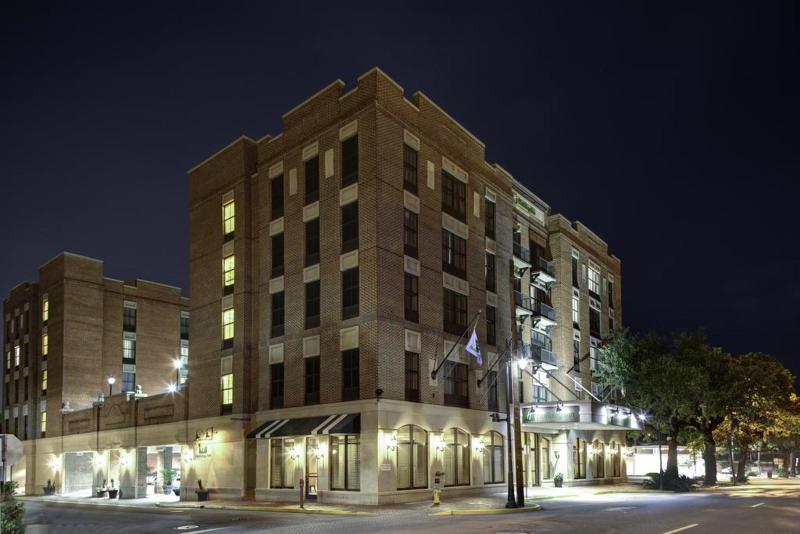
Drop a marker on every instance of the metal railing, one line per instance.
(542, 355)
(522, 253)
(546, 266)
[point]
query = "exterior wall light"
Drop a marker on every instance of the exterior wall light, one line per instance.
(99, 460)
(438, 443)
(172, 388)
(479, 445)
(54, 463)
(188, 455)
(124, 458)
(391, 442)
(318, 452)
(295, 454)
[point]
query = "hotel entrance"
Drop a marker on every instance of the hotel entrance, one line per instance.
(313, 458)
(536, 461)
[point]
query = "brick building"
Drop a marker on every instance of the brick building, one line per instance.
(332, 268)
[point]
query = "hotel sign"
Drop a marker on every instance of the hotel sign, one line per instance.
(549, 414)
(524, 206)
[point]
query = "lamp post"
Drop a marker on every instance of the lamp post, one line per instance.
(111, 381)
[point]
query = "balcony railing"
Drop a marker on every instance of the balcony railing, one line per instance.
(522, 253)
(544, 310)
(523, 302)
(541, 355)
(543, 271)
(536, 308)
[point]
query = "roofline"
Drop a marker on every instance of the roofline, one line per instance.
(218, 152)
(66, 253)
(446, 114)
(337, 81)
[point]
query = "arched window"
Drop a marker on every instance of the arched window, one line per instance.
(614, 453)
(599, 450)
(493, 464)
(456, 457)
(579, 458)
(412, 457)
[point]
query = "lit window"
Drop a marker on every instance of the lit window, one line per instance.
(45, 308)
(44, 382)
(228, 217)
(576, 310)
(45, 344)
(227, 323)
(16, 355)
(227, 389)
(228, 271)
(594, 280)
(43, 423)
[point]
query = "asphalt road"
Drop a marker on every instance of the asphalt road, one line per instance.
(694, 513)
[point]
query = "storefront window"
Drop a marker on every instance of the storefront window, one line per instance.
(412, 458)
(493, 459)
(345, 463)
(579, 458)
(614, 453)
(456, 458)
(599, 450)
(281, 463)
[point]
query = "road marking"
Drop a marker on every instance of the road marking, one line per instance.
(186, 527)
(687, 527)
(210, 530)
(619, 509)
(757, 505)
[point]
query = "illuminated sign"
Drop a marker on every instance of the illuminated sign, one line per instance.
(549, 414)
(524, 205)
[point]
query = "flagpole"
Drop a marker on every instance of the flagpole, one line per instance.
(471, 324)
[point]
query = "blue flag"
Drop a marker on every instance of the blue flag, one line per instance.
(473, 347)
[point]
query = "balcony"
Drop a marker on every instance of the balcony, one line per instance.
(543, 271)
(524, 305)
(522, 256)
(595, 360)
(543, 314)
(544, 357)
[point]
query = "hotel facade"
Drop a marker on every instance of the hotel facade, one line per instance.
(333, 267)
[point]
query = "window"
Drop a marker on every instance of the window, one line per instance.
(227, 327)
(544, 455)
(276, 197)
(576, 311)
(128, 349)
(454, 254)
(129, 316)
(45, 308)
(492, 396)
(44, 382)
(456, 457)
(228, 274)
(312, 179)
(312, 380)
(493, 462)
(412, 458)
(16, 391)
(410, 233)
(8, 360)
(350, 378)
(411, 298)
(614, 454)
(43, 423)
(128, 382)
(16, 355)
(228, 219)
(520, 385)
(491, 325)
(185, 325)
(312, 304)
(345, 463)
(579, 458)
(412, 376)
(350, 161)
(410, 173)
(312, 242)
(575, 282)
(594, 281)
(491, 275)
(594, 321)
(281, 463)
(350, 293)
(490, 208)
(277, 318)
(611, 295)
(456, 391)
(45, 345)
(27, 388)
(576, 350)
(350, 227)
(455, 312)
(454, 196)
(611, 322)
(183, 371)
(226, 385)
(276, 386)
(277, 255)
(599, 463)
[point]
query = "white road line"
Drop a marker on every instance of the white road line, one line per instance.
(210, 530)
(757, 505)
(687, 527)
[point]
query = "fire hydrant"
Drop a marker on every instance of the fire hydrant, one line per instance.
(437, 488)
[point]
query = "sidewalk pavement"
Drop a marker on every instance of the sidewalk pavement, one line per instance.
(464, 505)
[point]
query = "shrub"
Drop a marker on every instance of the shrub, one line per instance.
(11, 510)
(671, 483)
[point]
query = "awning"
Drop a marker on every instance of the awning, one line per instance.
(309, 426)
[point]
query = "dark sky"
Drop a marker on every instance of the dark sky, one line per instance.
(671, 130)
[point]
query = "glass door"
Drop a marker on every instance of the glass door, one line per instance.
(312, 448)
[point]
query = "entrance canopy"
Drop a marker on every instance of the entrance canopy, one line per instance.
(309, 426)
(581, 415)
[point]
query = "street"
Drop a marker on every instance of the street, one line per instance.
(769, 507)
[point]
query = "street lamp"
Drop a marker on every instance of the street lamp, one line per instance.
(171, 388)
(111, 381)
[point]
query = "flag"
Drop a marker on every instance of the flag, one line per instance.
(473, 347)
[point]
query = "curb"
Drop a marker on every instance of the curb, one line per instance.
(490, 511)
(316, 511)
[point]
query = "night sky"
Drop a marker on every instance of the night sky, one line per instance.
(672, 130)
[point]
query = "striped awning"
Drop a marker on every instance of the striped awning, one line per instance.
(309, 426)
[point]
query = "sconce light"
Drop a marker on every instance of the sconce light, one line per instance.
(558, 407)
(438, 444)
(391, 442)
(318, 452)
(99, 460)
(295, 454)
(188, 455)
(55, 463)
(479, 445)
(124, 458)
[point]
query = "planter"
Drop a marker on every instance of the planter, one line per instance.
(558, 482)
(202, 495)
(49, 490)
(176, 491)
(112, 494)
(166, 489)
(100, 494)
